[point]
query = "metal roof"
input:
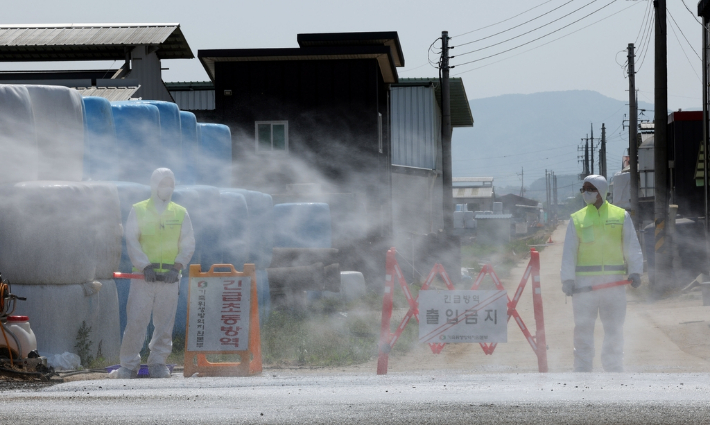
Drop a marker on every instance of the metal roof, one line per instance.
(110, 93)
(472, 179)
(387, 38)
(89, 41)
(487, 215)
(460, 109)
(383, 55)
(473, 192)
(189, 85)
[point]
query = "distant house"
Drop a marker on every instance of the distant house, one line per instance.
(476, 193)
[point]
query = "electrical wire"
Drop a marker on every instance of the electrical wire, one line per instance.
(683, 34)
(648, 43)
(538, 38)
(504, 20)
(693, 15)
(545, 44)
(520, 35)
(505, 156)
(683, 50)
(645, 16)
(526, 22)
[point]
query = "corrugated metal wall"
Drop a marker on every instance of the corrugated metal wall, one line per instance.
(194, 100)
(416, 127)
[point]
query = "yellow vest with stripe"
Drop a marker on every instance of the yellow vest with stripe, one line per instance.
(160, 233)
(600, 234)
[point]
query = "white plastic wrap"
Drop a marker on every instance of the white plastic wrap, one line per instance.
(56, 313)
(59, 122)
(58, 232)
(18, 141)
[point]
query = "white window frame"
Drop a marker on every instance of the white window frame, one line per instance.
(256, 135)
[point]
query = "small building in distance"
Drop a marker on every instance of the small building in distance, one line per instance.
(477, 193)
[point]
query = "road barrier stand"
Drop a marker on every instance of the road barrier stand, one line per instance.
(222, 320)
(394, 271)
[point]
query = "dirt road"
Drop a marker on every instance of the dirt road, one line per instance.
(666, 336)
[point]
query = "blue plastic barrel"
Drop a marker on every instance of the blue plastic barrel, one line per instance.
(302, 225)
(261, 226)
(214, 159)
(234, 237)
(170, 136)
(188, 126)
(99, 140)
(137, 140)
(128, 194)
(204, 207)
(263, 293)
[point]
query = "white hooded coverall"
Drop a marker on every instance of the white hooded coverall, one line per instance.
(609, 303)
(158, 298)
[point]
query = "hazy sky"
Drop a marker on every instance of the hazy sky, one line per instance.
(585, 58)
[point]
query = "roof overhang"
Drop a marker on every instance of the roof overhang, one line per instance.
(382, 54)
(384, 38)
(85, 42)
(461, 115)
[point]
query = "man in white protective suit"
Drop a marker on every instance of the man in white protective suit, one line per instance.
(601, 247)
(160, 242)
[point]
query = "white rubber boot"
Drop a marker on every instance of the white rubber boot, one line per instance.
(126, 373)
(158, 371)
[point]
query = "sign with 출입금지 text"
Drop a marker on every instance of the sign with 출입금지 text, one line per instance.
(463, 316)
(219, 313)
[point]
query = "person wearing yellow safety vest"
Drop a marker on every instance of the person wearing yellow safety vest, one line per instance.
(160, 243)
(600, 247)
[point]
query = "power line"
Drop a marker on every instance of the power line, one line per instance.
(543, 36)
(551, 41)
(504, 20)
(683, 34)
(520, 35)
(693, 14)
(681, 46)
(505, 156)
(648, 43)
(517, 26)
(645, 16)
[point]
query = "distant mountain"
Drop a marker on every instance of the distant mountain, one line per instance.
(536, 132)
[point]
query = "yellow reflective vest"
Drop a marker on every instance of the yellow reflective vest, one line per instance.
(600, 233)
(160, 233)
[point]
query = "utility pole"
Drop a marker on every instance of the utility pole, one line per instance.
(586, 158)
(705, 134)
(522, 181)
(554, 193)
(602, 153)
(591, 140)
(547, 196)
(633, 143)
(447, 180)
(663, 274)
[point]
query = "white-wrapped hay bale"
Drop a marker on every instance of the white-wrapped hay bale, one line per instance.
(106, 226)
(18, 141)
(50, 232)
(59, 122)
(57, 312)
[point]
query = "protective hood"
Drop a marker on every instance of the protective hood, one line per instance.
(600, 183)
(158, 176)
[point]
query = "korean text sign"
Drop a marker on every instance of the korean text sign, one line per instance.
(463, 316)
(219, 314)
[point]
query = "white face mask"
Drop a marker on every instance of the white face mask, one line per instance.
(589, 197)
(164, 193)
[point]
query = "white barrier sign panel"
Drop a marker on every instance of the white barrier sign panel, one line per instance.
(463, 316)
(219, 313)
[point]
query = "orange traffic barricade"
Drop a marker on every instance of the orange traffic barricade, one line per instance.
(222, 319)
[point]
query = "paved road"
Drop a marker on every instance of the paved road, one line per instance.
(430, 397)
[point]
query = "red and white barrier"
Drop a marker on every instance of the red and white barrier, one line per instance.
(394, 271)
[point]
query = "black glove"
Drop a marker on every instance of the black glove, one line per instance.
(568, 287)
(635, 280)
(171, 276)
(149, 274)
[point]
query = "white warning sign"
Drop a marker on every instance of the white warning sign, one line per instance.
(219, 313)
(463, 316)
